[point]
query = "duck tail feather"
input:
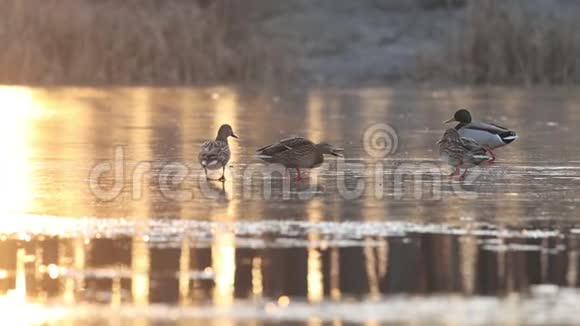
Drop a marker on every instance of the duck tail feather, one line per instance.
(206, 163)
(261, 149)
(508, 136)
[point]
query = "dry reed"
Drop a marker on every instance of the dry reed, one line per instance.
(144, 42)
(511, 41)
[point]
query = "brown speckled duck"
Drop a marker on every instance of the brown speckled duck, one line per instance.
(461, 152)
(215, 154)
(297, 153)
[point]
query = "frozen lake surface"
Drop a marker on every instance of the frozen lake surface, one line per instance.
(106, 216)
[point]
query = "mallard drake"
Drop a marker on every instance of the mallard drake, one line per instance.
(297, 153)
(215, 154)
(461, 152)
(488, 135)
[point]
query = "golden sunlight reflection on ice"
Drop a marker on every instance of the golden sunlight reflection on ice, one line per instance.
(223, 251)
(314, 277)
(20, 109)
(206, 255)
(16, 309)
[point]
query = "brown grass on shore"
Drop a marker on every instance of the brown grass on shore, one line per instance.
(156, 42)
(511, 41)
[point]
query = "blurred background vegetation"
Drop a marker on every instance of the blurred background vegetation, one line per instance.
(180, 42)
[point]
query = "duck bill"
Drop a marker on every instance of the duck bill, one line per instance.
(450, 120)
(234, 135)
(337, 152)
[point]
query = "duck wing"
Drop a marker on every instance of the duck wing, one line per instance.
(472, 146)
(473, 152)
(479, 130)
(214, 153)
(284, 145)
(488, 127)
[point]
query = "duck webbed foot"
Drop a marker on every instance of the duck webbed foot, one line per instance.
(455, 172)
(462, 177)
(223, 177)
(492, 155)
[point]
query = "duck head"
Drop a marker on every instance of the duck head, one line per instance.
(224, 132)
(450, 135)
(461, 116)
(326, 148)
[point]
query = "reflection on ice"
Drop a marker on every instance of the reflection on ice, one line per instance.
(530, 309)
(313, 256)
(215, 265)
(253, 234)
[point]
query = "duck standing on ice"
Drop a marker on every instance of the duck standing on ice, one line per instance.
(488, 135)
(215, 154)
(461, 152)
(297, 153)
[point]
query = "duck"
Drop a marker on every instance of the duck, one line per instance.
(461, 152)
(215, 154)
(297, 153)
(488, 135)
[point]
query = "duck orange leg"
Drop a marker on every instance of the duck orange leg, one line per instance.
(462, 177)
(298, 177)
(455, 172)
(492, 155)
